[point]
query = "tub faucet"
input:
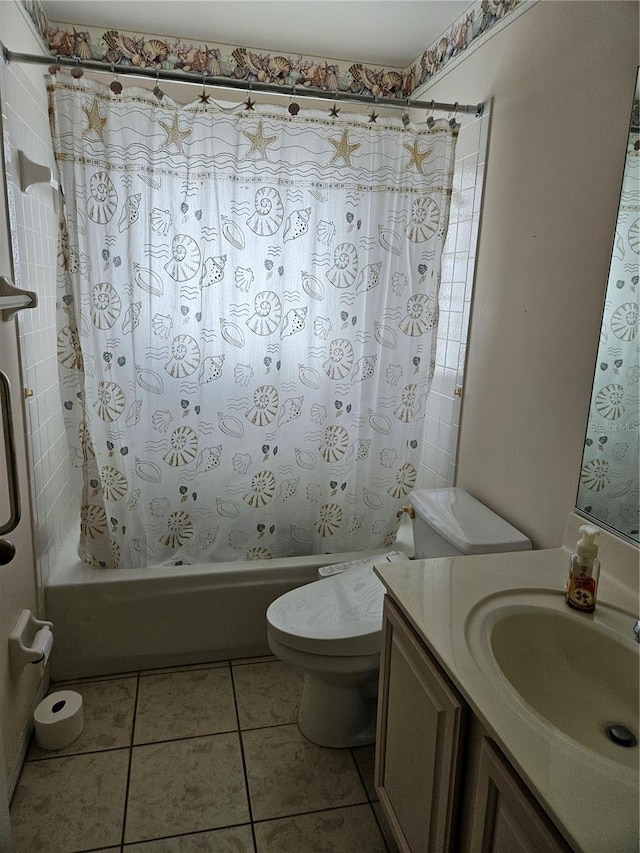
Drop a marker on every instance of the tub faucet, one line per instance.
(636, 631)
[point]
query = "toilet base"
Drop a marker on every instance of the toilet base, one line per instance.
(339, 697)
(339, 715)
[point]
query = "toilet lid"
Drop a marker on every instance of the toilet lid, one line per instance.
(338, 615)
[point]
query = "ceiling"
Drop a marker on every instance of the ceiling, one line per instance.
(376, 32)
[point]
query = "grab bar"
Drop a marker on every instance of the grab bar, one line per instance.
(10, 456)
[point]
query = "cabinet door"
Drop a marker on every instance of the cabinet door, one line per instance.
(420, 719)
(506, 818)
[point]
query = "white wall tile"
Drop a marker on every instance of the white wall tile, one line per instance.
(437, 465)
(34, 221)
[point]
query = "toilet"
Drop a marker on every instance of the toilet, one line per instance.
(331, 629)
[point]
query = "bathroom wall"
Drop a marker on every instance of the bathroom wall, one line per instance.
(32, 225)
(241, 62)
(54, 488)
(561, 78)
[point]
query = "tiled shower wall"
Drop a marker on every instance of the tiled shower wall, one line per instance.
(438, 464)
(34, 227)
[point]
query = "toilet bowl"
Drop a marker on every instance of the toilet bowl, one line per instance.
(331, 628)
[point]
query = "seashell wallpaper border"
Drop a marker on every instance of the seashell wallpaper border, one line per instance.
(123, 47)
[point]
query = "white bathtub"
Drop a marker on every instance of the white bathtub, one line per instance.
(107, 621)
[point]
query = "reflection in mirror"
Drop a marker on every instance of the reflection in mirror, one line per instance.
(608, 489)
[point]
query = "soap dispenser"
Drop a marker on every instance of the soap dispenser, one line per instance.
(584, 570)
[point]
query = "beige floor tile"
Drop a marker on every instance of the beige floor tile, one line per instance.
(236, 839)
(348, 830)
(184, 704)
(71, 803)
(268, 694)
(185, 786)
(386, 829)
(365, 757)
(107, 708)
(288, 774)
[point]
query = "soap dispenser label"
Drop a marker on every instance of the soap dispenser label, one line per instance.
(581, 592)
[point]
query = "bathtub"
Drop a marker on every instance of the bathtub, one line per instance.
(109, 621)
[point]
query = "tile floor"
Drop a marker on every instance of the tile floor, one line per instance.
(202, 759)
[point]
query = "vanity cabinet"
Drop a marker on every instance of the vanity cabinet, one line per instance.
(443, 783)
(419, 737)
(506, 819)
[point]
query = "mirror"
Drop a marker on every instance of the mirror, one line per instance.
(608, 490)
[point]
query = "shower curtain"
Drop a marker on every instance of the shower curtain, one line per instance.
(247, 314)
(609, 486)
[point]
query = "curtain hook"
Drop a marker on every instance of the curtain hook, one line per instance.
(249, 104)
(157, 91)
(293, 108)
(204, 98)
(77, 72)
(373, 115)
(452, 120)
(430, 119)
(115, 85)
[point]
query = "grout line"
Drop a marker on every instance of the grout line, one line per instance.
(242, 755)
(251, 661)
(63, 683)
(134, 673)
(57, 755)
(315, 811)
(382, 835)
(360, 774)
(186, 667)
(371, 802)
(94, 679)
(263, 820)
(270, 726)
(184, 737)
(162, 740)
(126, 792)
(161, 670)
(179, 835)
(251, 822)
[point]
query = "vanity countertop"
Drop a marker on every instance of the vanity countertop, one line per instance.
(592, 799)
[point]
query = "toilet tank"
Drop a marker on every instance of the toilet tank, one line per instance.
(450, 522)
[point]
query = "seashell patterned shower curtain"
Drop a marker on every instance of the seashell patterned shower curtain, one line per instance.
(609, 479)
(247, 315)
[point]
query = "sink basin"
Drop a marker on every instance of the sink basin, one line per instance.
(572, 671)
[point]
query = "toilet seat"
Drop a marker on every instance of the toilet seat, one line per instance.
(324, 665)
(340, 615)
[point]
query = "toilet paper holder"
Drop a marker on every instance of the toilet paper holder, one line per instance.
(29, 642)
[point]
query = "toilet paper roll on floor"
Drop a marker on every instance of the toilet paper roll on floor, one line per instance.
(58, 719)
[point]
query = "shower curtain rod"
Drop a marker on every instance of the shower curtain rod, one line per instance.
(249, 87)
